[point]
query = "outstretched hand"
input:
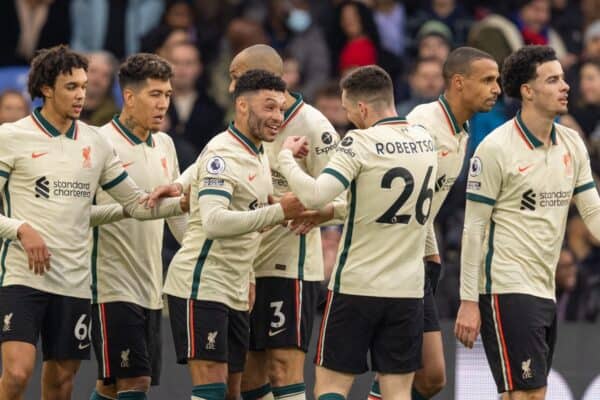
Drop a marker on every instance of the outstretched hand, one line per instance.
(170, 190)
(297, 144)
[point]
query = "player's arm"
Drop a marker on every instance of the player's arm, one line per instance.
(178, 224)
(335, 178)
(38, 255)
(586, 195)
(484, 181)
(106, 214)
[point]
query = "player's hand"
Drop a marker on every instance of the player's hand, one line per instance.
(297, 144)
(292, 207)
(38, 255)
(251, 296)
(184, 202)
(310, 219)
(170, 190)
(468, 323)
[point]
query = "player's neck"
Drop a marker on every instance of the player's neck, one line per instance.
(243, 129)
(461, 114)
(129, 122)
(376, 116)
(289, 100)
(539, 125)
(58, 121)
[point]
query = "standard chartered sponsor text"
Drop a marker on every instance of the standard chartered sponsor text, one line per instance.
(71, 188)
(555, 199)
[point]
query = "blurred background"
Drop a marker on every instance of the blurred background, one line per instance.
(319, 41)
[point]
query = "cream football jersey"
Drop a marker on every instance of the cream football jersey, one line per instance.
(282, 253)
(529, 187)
(49, 180)
(126, 255)
(232, 170)
(451, 142)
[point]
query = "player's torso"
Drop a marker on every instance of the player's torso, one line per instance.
(51, 187)
(127, 263)
(389, 204)
(218, 269)
(529, 218)
(282, 253)
(450, 141)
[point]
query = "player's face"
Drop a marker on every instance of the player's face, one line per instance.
(150, 103)
(352, 111)
(481, 88)
(548, 91)
(68, 94)
(265, 114)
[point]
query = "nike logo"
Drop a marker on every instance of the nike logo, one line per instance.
(523, 169)
(83, 346)
(125, 165)
(277, 332)
(444, 153)
(251, 177)
(37, 155)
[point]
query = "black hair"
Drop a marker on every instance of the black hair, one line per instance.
(520, 67)
(257, 79)
(459, 61)
(48, 64)
(139, 67)
(370, 84)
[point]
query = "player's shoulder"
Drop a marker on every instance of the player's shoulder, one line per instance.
(423, 112)
(8, 130)
(163, 139)
(569, 135)
(498, 141)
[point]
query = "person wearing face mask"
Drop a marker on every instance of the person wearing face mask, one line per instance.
(290, 25)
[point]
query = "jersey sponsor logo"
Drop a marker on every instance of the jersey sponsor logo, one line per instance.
(528, 200)
(413, 147)
(255, 204)
(7, 321)
(476, 166)
(525, 168)
(60, 188)
(213, 182)
(125, 358)
(327, 139)
(347, 141)
(439, 184)
(211, 340)
(86, 153)
(278, 179)
(280, 267)
(526, 368)
(38, 155)
(125, 165)
(216, 165)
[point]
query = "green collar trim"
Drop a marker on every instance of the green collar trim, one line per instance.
(245, 141)
(456, 129)
(391, 120)
(533, 141)
(289, 113)
(49, 129)
(131, 138)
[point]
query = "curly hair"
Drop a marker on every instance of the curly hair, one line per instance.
(257, 79)
(521, 66)
(370, 84)
(48, 64)
(139, 67)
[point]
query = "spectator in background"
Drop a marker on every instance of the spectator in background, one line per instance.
(13, 106)
(426, 83)
(354, 40)
(193, 115)
(434, 40)
(390, 17)
(100, 105)
(586, 108)
(177, 25)
(291, 73)
(328, 100)
(161, 40)
(570, 288)
(29, 25)
(113, 25)
(501, 36)
(449, 12)
(591, 49)
(566, 19)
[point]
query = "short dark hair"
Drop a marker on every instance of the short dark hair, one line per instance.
(520, 67)
(139, 67)
(328, 90)
(414, 67)
(459, 61)
(370, 84)
(48, 64)
(258, 79)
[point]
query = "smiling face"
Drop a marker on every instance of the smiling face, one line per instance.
(263, 111)
(67, 95)
(148, 102)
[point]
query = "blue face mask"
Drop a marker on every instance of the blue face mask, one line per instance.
(299, 20)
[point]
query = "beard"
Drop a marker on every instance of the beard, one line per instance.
(256, 125)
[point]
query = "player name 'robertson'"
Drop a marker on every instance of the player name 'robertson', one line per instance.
(419, 146)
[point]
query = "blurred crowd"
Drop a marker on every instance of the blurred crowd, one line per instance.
(320, 40)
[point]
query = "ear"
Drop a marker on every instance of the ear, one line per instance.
(47, 91)
(526, 91)
(241, 104)
(128, 97)
(363, 109)
(458, 81)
